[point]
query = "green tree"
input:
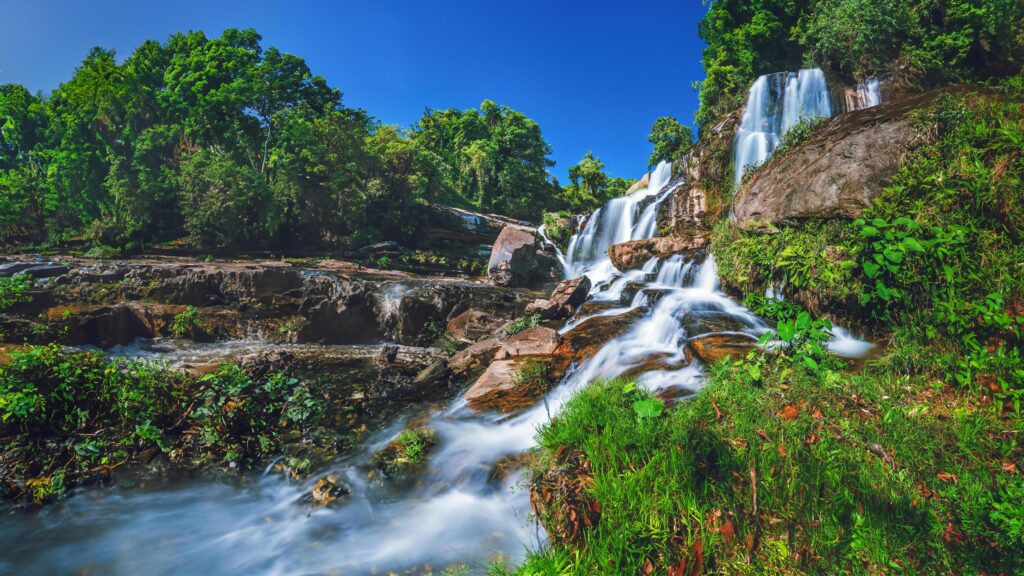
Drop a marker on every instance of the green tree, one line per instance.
(670, 138)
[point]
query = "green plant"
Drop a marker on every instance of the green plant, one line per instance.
(15, 290)
(532, 375)
(522, 323)
(187, 323)
(797, 134)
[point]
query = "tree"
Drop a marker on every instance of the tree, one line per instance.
(589, 186)
(671, 140)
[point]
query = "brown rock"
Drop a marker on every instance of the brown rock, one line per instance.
(587, 337)
(509, 385)
(714, 347)
(472, 325)
(633, 254)
(326, 491)
(519, 258)
(472, 359)
(538, 341)
(567, 296)
(839, 170)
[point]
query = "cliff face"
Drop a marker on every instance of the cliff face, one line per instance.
(839, 170)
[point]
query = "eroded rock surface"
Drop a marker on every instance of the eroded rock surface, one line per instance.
(633, 254)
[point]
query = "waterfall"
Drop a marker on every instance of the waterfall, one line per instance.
(868, 94)
(775, 103)
(631, 217)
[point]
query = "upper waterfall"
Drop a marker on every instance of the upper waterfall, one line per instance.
(775, 103)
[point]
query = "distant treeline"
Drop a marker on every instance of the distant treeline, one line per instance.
(234, 146)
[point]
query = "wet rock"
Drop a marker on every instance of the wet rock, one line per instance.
(519, 258)
(327, 491)
(714, 347)
(508, 465)
(465, 363)
(509, 385)
(537, 341)
(587, 337)
(432, 374)
(566, 298)
(406, 453)
(473, 324)
(633, 254)
(707, 322)
(839, 170)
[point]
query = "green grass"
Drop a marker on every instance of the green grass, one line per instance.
(523, 323)
(855, 473)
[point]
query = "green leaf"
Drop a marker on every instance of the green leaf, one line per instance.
(893, 256)
(871, 269)
(786, 331)
(648, 408)
(629, 387)
(810, 363)
(879, 223)
(912, 245)
(868, 232)
(755, 372)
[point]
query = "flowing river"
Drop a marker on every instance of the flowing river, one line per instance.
(457, 512)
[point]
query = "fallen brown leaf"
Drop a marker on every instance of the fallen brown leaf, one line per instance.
(947, 477)
(789, 412)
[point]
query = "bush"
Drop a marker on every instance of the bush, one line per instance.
(15, 290)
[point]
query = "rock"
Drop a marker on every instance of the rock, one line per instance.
(538, 341)
(697, 323)
(518, 258)
(587, 337)
(634, 253)
(380, 247)
(466, 362)
(839, 171)
(641, 183)
(432, 374)
(326, 491)
(406, 453)
(509, 385)
(714, 347)
(701, 199)
(472, 325)
(567, 296)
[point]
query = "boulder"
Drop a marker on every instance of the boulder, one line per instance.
(538, 341)
(518, 258)
(466, 362)
(472, 325)
(567, 296)
(837, 172)
(713, 347)
(643, 182)
(634, 253)
(326, 491)
(509, 385)
(587, 337)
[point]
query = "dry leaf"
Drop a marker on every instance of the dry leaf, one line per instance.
(947, 477)
(789, 412)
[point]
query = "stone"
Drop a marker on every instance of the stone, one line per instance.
(587, 337)
(505, 387)
(520, 258)
(635, 253)
(566, 298)
(326, 491)
(840, 170)
(713, 347)
(537, 341)
(472, 325)
(471, 360)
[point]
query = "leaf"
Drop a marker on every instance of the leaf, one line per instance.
(868, 232)
(893, 256)
(789, 412)
(648, 408)
(810, 363)
(879, 223)
(786, 331)
(871, 269)
(912, 245)
(755, 372)
(629, 387)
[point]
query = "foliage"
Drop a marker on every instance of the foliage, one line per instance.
(187, 323)
(671, 140)
(71, 415)
(522, 323)
(532, 375)
(242, 147)
(556, 229)
(590, 187)
(797, 134)
(494, 158)
(15, 290)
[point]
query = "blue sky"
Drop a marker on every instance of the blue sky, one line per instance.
(594, 74)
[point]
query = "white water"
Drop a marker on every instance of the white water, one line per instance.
(775, 103)
(868, 93)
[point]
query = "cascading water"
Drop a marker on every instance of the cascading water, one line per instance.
(454, 513)
(631, 217)
(775, 103)
(868, 93)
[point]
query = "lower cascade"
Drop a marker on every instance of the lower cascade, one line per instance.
(457, 510)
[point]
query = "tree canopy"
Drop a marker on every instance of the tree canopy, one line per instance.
(239, 146)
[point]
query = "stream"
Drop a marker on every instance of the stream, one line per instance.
(456, 512)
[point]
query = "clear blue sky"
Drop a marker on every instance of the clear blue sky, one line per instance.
(595, 74)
